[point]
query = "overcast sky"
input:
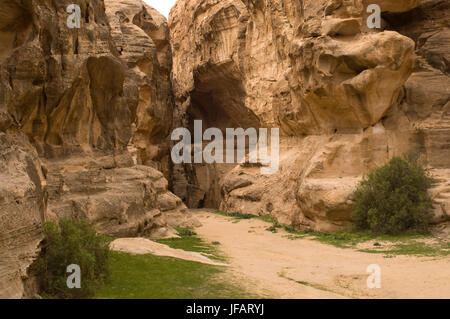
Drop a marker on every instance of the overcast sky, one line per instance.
(163, 6)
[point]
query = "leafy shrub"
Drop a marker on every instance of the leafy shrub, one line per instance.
(186, 232)
(272, 229)
(72, 242)
(394, 198)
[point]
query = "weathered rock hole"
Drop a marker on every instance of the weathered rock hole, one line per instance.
(218, 99)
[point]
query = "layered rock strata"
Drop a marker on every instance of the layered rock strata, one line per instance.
(345, 97)
(84, 118)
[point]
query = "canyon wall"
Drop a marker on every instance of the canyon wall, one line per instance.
(86, 113)
(84, 118)
(346, 99)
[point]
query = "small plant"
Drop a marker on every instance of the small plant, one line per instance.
(272, 229)
(72, 242)
(394, 198)
(186, 232)
(236, 215)
(242, 216)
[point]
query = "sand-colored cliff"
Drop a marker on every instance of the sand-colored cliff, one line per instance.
(345, 97)
(84, 119)
(86, 114)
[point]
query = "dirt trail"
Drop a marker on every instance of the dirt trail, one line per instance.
(276, 267)
(142, 246)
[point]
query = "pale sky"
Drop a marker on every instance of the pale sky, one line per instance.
(163, 6)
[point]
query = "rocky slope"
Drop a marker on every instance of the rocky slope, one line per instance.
(84, 119)
(345, 97)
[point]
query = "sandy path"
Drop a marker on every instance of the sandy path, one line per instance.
(271, 264)
(142, 246)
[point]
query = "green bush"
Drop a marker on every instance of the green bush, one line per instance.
(394, 198)
(186, 232)
(72, 242)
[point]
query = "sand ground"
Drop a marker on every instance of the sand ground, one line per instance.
(274, 266)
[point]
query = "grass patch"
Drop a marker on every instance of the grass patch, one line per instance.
(405, 244)
(415, 248)
(189, 242)
(155, 277)
(152, 277)
(234, 215)
(268, 219)
(349, 239)
(238, 216)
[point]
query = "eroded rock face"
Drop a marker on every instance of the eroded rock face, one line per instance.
(85, 114)
(118, 199)
(84, 119)
(345, 97)
(141, 36)
(22, 209)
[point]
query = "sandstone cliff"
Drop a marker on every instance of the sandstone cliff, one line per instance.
(86, 114)
(345, 97)
(84, 119)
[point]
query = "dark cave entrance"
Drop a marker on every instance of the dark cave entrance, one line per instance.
(218, 100)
